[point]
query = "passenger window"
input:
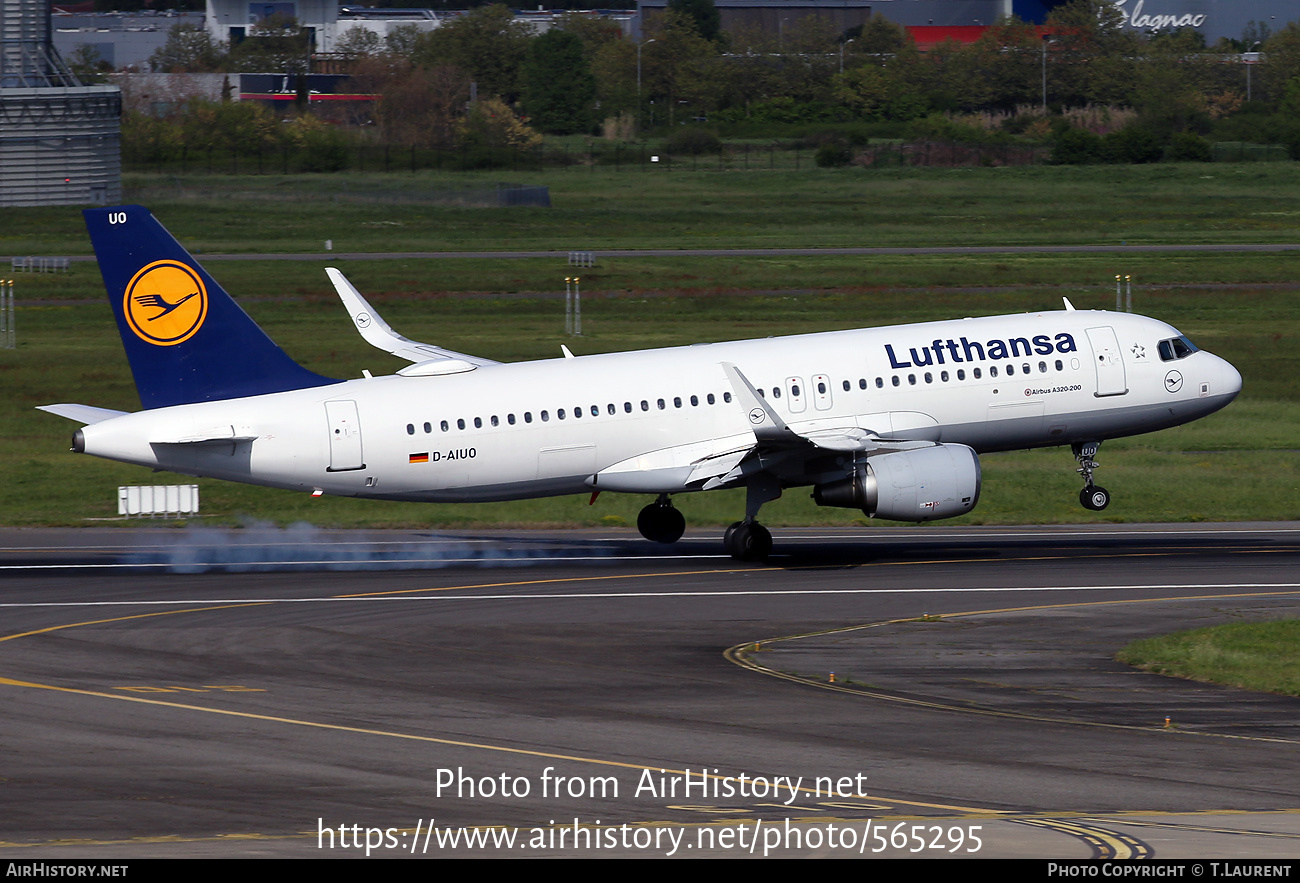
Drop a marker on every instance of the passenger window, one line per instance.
(961, 373)
(410, 429)
(528, 416)
(545, 417)
(695, 401)
(445, 427)
(460, 424)
(428, 428)
(895, 379)
(709, 398)
(847, 386)
(478, 422)
(510, 418)
(677, 401)
(559, 413)
(645, 406)
(495, 421)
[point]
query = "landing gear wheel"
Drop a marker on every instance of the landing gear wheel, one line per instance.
(748, 541)
(661, 523)
(731, 531)
(1094, 498)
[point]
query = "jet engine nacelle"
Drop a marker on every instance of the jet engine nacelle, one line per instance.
(942, 481)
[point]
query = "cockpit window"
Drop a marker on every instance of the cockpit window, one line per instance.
(1176, 348)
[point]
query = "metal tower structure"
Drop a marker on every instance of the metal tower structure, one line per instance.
(60, 141)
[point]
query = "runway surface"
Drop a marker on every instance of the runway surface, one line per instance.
(227, 693)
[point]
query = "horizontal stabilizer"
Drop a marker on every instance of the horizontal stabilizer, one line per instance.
(84, 414)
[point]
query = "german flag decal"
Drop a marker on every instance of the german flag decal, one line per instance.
(420, 458)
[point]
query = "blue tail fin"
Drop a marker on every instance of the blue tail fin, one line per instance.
(186, 339)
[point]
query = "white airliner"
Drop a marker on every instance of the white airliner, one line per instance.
(886, 420)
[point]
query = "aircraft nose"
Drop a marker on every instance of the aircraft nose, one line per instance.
(1230, 381)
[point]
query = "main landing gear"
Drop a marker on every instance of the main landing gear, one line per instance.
(1092, 496)
(660, 522)
(747, 541)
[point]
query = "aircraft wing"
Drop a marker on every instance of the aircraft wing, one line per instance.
(774, 446)
(377, 332)
(772, 434)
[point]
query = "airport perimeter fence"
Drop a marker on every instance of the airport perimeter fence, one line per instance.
(642, 157)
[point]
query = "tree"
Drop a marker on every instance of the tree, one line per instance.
(675, 64)
(704, 13)
(1003, 68)
(487, 43)
(422, 107)
(402, 40)
(276, 44)
(1091, 56)
(87, 65)
(559, 91)
(358, 42)
(189, 49)
(490, 123)
(879, 36)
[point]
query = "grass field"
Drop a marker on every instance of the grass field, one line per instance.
(602, 208)
(1261, 656)
(1238, 464)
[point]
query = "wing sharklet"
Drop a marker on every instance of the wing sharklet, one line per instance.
(376, 332)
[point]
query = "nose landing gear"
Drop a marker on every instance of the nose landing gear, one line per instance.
(1093, 497)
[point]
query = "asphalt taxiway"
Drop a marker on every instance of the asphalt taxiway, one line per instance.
(270, 693)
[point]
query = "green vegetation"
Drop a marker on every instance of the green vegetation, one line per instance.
(662, 207)
(1084, 89)
(1261, 656)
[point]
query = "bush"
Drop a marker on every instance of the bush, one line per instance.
(1188, 147)
(324, 150)
(1134, 144)
(1077, 147)
(693, 140)
(834, 155)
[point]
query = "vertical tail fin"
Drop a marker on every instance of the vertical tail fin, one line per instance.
(186, 339)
